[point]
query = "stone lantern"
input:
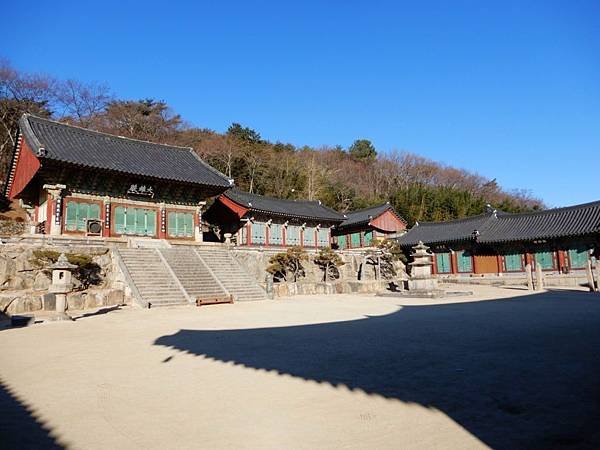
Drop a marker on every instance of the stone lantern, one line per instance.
(421, 280)
(61, 284)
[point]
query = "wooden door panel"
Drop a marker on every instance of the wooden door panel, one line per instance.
(486, 264)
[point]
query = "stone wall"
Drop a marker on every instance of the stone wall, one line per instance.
(550, 280)
(256, 261)
(24, 281)
(12, 228)
(338, 287)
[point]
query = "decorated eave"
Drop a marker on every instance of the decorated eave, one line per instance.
(245, 204)
(51, 142)
(361, 217)
(497, 227)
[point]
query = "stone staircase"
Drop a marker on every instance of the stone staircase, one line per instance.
(195, 277)
(151, 278)
(230, 273)
(179, 275)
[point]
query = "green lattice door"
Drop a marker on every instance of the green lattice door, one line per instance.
(355, 240)
(135, 221)
(465, 262)
(545, 260)
(275, 234)
(578, 258)
(341, 240)
(513, 262)
(78, 214)
(443, 262)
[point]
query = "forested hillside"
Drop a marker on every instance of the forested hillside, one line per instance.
(344, 179)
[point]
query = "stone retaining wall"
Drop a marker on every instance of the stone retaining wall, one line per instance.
(256, 261)
(31, 301)
(338, 287)
(572, 279)
(24, 283)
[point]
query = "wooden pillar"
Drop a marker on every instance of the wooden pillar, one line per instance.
(562, 262)
(434, 270)
(474, 263)
(499, 264)
(249, 233)
(453, 262)
(49, 209)
(198, 234)
(54, 219)
(163, 222)
(107, 221)
(283, 234)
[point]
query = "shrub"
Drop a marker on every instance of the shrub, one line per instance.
(290, 262)
(388, 252)
(329, 261)
(87, 272)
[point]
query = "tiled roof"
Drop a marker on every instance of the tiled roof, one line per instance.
(499, 227)
(364, 216)
(74, 145)
(449, 231)
(291, 208)
(548, 224)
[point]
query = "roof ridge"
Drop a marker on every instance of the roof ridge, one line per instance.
(208, 166)
(102, 133)
(553, 210)
(291, 200)
(464, 219)
(370, 207)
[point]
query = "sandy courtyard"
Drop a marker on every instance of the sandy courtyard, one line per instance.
(501, 369)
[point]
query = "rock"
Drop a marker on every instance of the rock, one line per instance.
(25, 304)
(114, 297)
(41, 281)
(24, 264)
(8, 269)
(17, 282)
(76, 300)
(93, 300)
(103, 260)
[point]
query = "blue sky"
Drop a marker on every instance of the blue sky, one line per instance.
(508, 89)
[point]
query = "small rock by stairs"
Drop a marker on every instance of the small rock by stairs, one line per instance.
(230, 273)
(151, 277)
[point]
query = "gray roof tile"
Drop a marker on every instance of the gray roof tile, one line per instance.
(499, 227)
(294, 208)
(364, 216)
(548, 224)
(83, 147)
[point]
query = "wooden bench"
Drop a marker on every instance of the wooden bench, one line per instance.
(213, 300)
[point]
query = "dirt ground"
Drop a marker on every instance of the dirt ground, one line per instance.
(503, 368)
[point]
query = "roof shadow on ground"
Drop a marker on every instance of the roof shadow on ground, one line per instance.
(19, 428)
(516, 373)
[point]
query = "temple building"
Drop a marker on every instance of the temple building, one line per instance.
(257, 220)
(360, 227)
(559, 240)
(80, 182)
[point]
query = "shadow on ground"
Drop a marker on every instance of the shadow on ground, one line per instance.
(516, 373)
(19, 428)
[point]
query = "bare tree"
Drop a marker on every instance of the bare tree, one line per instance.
(82, 102)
